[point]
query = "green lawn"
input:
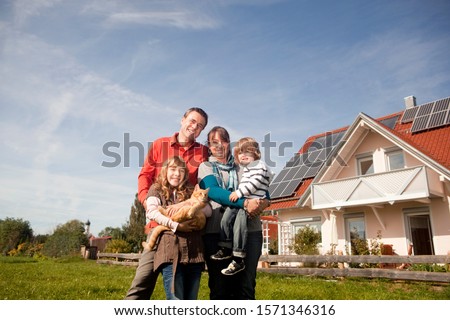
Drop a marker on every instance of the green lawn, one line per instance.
(77, 279)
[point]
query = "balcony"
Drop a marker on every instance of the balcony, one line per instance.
(387, 187)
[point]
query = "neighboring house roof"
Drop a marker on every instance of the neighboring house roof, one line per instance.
(415, 130)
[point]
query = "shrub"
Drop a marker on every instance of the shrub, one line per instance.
(273, 246)
(364, 247)
(27, 249)
(118, 245)
(306, 241)
(12, 233)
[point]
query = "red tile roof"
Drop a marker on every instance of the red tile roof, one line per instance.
(434, 143)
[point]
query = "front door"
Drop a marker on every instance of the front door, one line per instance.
(420, 234)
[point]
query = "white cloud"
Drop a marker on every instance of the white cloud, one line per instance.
(178, 19)
(178, 14)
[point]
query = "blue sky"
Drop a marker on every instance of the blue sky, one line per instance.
(77, 77)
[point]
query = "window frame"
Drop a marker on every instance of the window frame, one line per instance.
(393, 152)
(314, 222)
(351, 218)
(365, 158)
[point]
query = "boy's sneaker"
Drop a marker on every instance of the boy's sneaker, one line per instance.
(233, 268)
(222, 254)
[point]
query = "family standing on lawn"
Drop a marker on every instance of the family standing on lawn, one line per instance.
(173, 167)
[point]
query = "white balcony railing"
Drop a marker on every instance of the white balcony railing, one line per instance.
(386, 187)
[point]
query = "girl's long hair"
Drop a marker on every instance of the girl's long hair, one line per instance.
(183, 190)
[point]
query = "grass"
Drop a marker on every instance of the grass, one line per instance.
(78, 279)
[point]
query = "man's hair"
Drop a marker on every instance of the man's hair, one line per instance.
(199, 110)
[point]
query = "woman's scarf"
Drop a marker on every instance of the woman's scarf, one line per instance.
(229, 167)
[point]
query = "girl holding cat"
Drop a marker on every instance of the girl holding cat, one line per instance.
(179, 254)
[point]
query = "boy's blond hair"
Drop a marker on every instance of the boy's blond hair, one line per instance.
(249, 145)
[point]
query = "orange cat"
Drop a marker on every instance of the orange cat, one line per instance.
(187, 212)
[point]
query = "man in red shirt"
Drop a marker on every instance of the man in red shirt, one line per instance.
(181, 144)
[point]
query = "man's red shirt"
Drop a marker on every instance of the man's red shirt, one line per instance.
(159, 152)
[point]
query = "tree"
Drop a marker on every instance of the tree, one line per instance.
(134, 229)
(66, 240)
(12, 233)
(115, 233)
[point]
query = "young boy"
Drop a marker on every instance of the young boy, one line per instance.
(254, 183)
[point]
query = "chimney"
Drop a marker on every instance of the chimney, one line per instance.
(410, 102)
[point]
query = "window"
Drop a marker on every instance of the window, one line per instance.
(395, 160)
(313, 222)
(355, 231)
(365, 165)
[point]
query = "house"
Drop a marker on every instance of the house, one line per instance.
(99, 242)
(385, 179)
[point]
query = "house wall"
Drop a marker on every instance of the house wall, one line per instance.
(440, 224)
(378, 146)
(392, 216)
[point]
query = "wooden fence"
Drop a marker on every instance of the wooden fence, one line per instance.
(391, 267)
(124, 259)
(331, 265)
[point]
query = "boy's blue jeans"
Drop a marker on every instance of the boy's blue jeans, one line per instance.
(233, 231)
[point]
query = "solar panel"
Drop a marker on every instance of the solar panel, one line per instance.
(337, 137)
(293, 161)
(420, 123)
(301, 172)
(276, 190)
(312, 171)
(431, 115)
(291, 186)
(409, 114)
(323, 154)
(437, 119)
(425, 109)
(305, 165)
(441, 105)
(311, 157)
(280, 176)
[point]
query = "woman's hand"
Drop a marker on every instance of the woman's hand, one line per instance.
(255, 206)
(252, 207)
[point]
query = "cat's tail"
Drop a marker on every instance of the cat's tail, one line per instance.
(154, 237)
